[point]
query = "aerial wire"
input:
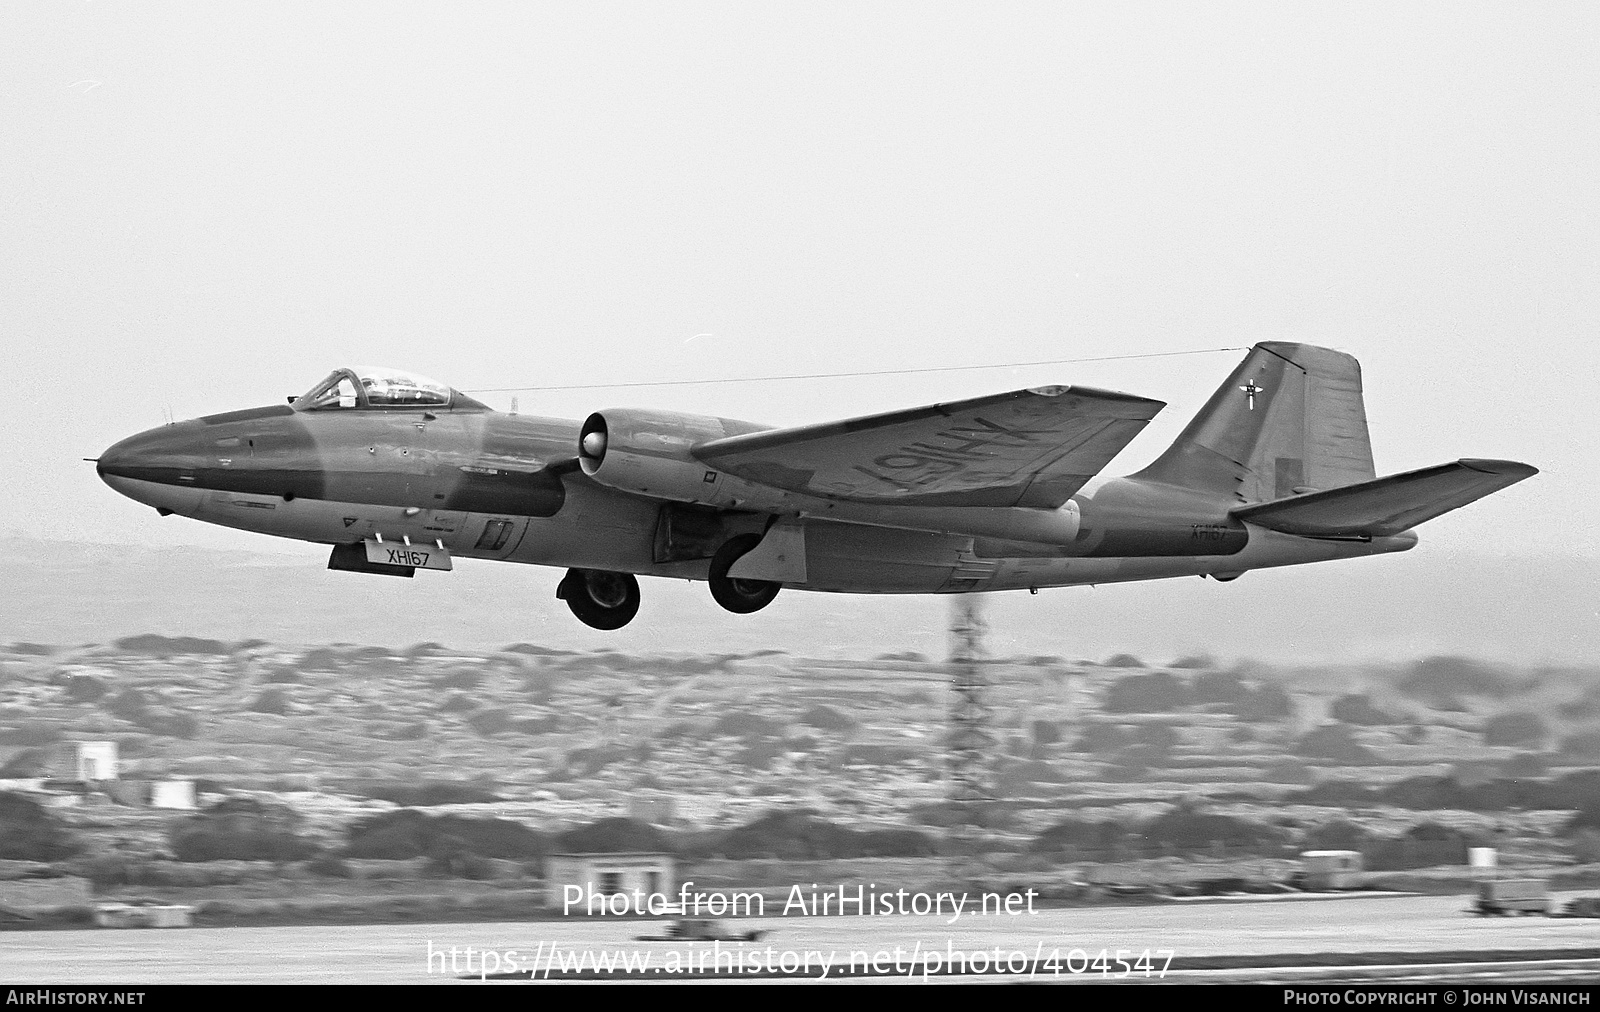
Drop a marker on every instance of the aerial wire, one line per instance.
(847, 375)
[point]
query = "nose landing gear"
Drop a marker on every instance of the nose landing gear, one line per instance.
(600, 598)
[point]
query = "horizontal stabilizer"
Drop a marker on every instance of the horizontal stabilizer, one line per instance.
(1386, 506)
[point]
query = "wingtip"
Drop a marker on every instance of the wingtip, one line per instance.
(1511, 468)
(1095, 392)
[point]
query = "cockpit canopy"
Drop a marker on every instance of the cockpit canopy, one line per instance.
(375, 387)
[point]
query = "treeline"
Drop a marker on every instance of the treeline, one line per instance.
(1227, 691)
(31, 832)
(1578, 790)
(1252, 691)
(448, 844)
(1182, 833)
(1178, 832)
(250, 829)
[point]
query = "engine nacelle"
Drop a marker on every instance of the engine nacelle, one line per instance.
(647, 452)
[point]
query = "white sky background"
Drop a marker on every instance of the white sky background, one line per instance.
(206, 207)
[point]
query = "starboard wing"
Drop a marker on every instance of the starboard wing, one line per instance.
(1033, 447)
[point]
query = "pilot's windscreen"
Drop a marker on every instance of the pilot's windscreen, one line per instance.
(337, 391)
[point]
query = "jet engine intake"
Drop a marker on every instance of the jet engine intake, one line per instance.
(648, 453)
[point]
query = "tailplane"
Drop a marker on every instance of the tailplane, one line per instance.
(1386, 506)
(1288, 421)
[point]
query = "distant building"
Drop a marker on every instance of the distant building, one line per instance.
(172, 794)
(609, 884)
(86, 761)
(124, 915)
(151, 793)
(1332, 869)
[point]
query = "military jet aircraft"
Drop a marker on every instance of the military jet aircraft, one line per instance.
(397, 473)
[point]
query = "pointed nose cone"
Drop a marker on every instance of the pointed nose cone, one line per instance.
(140, 457)
(157, 467)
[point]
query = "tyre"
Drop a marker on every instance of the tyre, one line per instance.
(739, 596)
(600, 598)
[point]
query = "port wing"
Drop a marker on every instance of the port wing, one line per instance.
(1033, 447)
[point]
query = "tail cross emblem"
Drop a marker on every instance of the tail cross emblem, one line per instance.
(1250, 390)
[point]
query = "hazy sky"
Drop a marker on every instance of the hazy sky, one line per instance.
(207, 206)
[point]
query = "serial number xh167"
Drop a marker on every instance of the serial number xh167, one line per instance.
(396, 472)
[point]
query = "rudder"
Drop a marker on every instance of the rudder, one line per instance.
(1289, 419)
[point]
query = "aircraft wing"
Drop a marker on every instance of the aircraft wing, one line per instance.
(1386, 506)
(1033, 447)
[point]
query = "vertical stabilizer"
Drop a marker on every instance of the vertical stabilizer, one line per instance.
(1290, 419)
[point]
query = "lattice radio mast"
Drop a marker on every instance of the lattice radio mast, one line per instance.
(971, 788)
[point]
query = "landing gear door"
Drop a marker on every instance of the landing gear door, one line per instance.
(779, 558)
(493, 537)
(687, 532)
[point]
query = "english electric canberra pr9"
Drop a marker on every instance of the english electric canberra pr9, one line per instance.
(398, 473)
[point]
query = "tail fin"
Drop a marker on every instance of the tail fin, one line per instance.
(1289, 419)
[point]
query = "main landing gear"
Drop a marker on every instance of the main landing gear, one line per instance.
(739, 596)
(600, 598)
(608, 600)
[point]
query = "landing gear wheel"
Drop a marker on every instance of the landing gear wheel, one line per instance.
(600, 598)
(739, 596)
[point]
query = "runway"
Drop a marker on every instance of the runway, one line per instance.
(1253, 932)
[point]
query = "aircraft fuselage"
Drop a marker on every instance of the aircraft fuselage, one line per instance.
(489, 485)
